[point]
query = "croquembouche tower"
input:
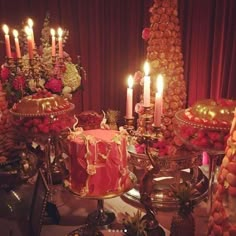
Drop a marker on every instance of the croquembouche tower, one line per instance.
(222, 220)
(164, 53)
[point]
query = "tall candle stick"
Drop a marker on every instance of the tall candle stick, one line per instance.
(18, 52)
(146, 86)
(30, 24)
(52, 31)
(30, 42)
(60, 32)
(158, 101)
(7, 40)
(129, 101)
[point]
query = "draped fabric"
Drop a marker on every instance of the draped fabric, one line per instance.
(209, 45)
(107, 36)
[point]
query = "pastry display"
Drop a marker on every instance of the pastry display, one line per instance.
(223, 216)
(206, 124)
(7, 132)
(164, 52)
(89, 120)
(42, 103)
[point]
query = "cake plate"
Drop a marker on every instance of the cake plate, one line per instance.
(101, 218)
(183, 167)
(213, 136)
(47, 140)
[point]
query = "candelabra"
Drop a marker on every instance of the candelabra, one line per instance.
(160, 170)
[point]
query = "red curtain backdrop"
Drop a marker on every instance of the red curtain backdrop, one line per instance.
(107, 36)
(209, 44)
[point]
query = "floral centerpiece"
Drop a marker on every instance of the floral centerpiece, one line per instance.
(43, 70)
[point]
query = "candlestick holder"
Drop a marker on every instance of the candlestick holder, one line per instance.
(147, 120)
(156, 130)
(129, 123)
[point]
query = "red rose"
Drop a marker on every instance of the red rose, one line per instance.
(146, 34)
(18, 83)
(5, 73)
(55, 85)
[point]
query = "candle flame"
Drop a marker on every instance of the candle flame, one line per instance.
(30, 22)
(15, 33)
(52, 31)
(130, 81)
(5, 29)
(146, 68)
(160, 84)
(59, 32)
(27, 30)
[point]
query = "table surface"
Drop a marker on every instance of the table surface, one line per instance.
(74, 211)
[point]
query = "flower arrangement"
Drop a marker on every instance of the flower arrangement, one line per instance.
(24, 76)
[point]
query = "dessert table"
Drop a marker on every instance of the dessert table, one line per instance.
(15, 206)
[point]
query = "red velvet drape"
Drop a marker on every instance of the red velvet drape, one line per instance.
(107, 36)
(209, 43)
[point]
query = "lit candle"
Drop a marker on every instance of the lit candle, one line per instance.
(146, 86)
(52, 31)
(129, 101)
(7, 40)
(60, 32)
(18, 52)
(158, 101)
(30, 42)
(30, 24)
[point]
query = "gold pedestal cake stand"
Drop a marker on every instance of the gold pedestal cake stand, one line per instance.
(100, 218)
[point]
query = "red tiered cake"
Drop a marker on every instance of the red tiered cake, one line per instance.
(98, 162)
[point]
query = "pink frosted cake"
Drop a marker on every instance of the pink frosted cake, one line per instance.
(98, 163)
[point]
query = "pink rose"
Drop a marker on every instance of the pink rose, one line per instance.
(5, 73)
(146, 34)
(54, 85)
(18, 83)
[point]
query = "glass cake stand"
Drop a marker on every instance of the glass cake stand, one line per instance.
(183, 167)
(101, 218)
(47, 141)
(203, 137)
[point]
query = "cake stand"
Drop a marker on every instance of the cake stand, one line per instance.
(101, 218)
(182, 167)
(47, 140)
(211, 140)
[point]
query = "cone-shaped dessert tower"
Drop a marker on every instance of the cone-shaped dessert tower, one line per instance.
(223, 214)
(7, 132)
(164, 53)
